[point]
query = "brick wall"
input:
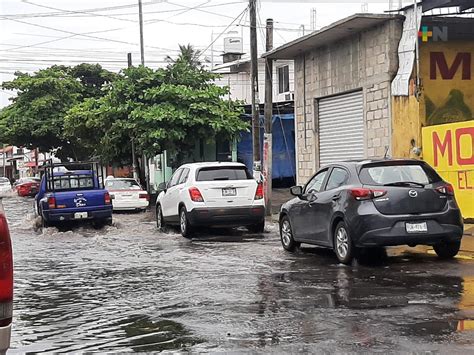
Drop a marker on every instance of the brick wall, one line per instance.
(367, 61)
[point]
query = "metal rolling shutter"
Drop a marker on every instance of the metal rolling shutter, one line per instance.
(341, 128)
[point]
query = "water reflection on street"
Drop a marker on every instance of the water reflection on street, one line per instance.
(128, 287)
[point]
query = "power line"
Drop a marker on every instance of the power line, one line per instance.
(220, 34)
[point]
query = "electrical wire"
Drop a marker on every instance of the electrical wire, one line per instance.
(220, 34)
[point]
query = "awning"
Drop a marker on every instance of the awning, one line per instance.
(30, 164)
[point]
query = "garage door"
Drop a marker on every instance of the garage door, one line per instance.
(341, 128)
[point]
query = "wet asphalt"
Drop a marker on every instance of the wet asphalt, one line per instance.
(128, 287)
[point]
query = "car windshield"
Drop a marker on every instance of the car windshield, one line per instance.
(4, 181)
(393, 174)
(72, 182)
(223, 173)
(122, 184)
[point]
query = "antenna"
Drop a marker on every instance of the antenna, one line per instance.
(313, 19)
(386, 152)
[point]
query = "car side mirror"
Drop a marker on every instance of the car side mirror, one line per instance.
(162, 186)
(296, 191)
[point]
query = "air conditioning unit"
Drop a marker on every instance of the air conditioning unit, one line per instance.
(290, 97)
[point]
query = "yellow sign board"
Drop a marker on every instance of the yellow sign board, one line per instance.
(449, 149)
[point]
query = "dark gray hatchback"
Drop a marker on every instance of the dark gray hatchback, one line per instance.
(361, 204)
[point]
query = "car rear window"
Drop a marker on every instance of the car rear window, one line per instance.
(387, 174)
(223, 173)
(117, 184)
(73, 182)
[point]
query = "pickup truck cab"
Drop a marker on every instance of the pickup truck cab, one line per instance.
(73, 195)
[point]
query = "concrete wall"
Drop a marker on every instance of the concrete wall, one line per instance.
(367, 61)
(239, 82)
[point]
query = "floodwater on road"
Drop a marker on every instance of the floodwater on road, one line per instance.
(130, 288)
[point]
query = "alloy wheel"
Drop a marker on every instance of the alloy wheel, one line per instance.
(159, 218)
(286, 233)
(342, 242)
(182, 222)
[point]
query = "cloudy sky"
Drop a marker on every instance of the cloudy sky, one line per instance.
(36, 34)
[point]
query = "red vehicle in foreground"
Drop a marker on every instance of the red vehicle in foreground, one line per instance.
(27, 187)
(6, 283)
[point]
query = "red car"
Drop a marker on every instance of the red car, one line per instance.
(27, 186)
(6, 283)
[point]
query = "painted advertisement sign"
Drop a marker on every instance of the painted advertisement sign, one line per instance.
(447, 69)
(449, 148)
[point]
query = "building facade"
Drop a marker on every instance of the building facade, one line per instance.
(342, 90)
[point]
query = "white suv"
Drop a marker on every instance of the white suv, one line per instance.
(211, 194)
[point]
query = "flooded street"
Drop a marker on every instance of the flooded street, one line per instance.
(129, 288)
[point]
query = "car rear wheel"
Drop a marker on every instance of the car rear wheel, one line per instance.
(160, 223)
(184, 226)
(258, 227)
(286, 235)
(343, 246)
(447, 250)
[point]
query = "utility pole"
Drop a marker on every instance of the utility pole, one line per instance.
(257, 163)
(134, 159)
(268, 138)
(140, 18)
(142, 57)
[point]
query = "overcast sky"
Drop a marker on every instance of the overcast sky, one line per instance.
(39, 33)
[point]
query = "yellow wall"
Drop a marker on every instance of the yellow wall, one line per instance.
(449, 148)
(406, 123)
(448, 92)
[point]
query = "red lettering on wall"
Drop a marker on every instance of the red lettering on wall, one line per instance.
(460, 179)
(446, 144)
(459, 133)
(438, 60)
(463, 177)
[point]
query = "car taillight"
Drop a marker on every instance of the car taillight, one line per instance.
(144, 196)
(195, 194)
(6, 273)
(51, 202)
(259, 192)
(107, 198)
(447, 189)
(367, 194)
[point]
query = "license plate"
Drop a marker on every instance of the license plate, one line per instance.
(416, 227)
(80, 215)
(229, 192)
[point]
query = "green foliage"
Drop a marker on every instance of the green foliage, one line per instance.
(86, 111)
(35, 118)
(168, 108)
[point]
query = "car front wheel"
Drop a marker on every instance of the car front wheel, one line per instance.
(343, 246)
(184, 225)
(447, 250)
(160, 224)
(286, 235)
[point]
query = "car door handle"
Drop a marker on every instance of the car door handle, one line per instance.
(336, 197)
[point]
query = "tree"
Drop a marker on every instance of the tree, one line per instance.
(165, 109)
(35, 118)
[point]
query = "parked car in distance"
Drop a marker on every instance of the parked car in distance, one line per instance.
(5, 185)
(73, 195)
(126, 194)
(373, 203)
(211, 194)
(6, 283)
(27, 186)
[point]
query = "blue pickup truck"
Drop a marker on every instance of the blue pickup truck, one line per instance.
(73, 192)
